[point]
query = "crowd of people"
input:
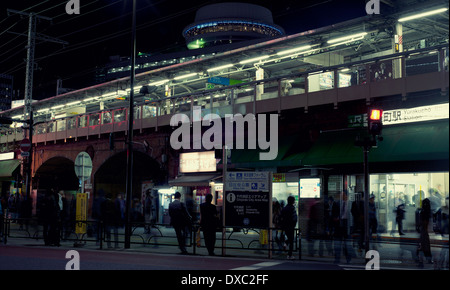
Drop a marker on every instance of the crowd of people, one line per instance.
(338, 218)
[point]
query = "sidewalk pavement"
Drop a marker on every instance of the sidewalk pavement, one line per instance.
(243, 244)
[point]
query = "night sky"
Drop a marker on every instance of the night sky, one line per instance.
(103, 29)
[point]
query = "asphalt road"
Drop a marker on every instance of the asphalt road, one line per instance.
(52, 258)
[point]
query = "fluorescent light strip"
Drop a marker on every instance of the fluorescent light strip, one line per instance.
(185, 76)
(347, 41)
(348, 37)
(57, 107)
(89, 99)
(255, 59)
(109, 94)
(220, 67)
(424, 14)
(73, 103)
(284, 52)
(158, 83)
(297, 54)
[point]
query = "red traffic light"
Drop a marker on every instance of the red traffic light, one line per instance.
(375, 114)
(375, 124)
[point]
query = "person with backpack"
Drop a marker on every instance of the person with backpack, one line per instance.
(288, 221)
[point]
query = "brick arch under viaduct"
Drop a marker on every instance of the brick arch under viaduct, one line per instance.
(63, 154)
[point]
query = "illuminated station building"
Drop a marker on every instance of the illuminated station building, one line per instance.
(320, 83)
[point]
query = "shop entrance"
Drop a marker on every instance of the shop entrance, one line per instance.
(409, 190)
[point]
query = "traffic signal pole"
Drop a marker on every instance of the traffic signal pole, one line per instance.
(366, 150)
(371, 140)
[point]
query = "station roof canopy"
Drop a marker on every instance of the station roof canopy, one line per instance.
(353, 40)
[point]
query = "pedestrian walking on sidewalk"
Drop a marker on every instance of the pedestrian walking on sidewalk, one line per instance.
(288, 220)
(209, 220)
(424, 241)
(110, 215)
(400, 216)
(180, 220)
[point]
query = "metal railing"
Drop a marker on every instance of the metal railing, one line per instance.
(101, 235)
(238, 241)
(298, 90)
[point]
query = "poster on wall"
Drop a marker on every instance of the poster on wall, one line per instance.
(310, 188)
(81, 213)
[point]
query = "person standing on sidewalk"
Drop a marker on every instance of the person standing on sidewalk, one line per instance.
(288, 223)
(180, 220)
(209, 221)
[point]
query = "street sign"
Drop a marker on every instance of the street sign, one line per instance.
(248, 199)
(247, 209)
(25, 145)
(83, 166)
(248, 181)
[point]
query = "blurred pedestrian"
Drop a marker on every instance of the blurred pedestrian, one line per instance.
(424, 240)
(51, 219)
(373, 222)
(278, 233)
(148, 202)
(180, 220)
(192, 209)
(288, 223)
(97, 214)
(110, 213)
(400, 216)
(445, 224)
(209, 221)
(436, 211)
(1, 222)
(120, 205)
(12, 207)
(339, 214)
(357, 211)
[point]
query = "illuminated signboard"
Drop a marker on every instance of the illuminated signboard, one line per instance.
(310, 188)
(197, 162)
(402, 116)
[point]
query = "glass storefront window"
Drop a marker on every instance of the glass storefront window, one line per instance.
(408, 189)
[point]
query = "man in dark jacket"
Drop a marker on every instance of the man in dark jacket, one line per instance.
(288, 223)
(180, 220)
(209, 223)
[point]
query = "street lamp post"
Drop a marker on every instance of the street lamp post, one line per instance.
(129, 180)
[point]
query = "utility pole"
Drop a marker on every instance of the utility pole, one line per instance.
(28, 97)
(32, 37)
(129, 180)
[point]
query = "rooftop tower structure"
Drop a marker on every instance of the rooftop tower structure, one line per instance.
(224, 23)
